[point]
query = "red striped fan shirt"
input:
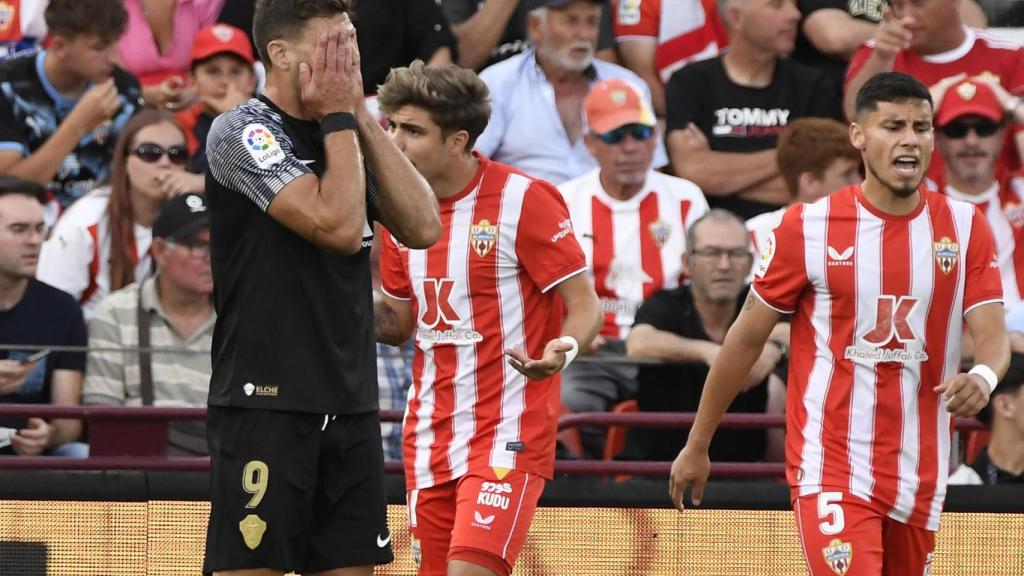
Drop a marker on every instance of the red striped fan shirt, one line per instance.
(485, 286)
(878, 302)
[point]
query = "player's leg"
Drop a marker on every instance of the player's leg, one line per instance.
(840, 534)
(349, 524)
(908, 550)
(492, 517)
(431, 517)
(261, 489)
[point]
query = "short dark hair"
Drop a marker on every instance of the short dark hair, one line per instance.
(274, 19)
(1010, 384)
(890, 87)
(15, 185)
(456, 98)
(106, 19)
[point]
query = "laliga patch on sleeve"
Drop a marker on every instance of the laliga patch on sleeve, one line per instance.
(629, 12)
(766, 256)
(262, 145)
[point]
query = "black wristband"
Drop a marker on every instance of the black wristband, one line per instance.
(336, 122)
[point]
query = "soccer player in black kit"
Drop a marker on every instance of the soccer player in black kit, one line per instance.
(295, 178)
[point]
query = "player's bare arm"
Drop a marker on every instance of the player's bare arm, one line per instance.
(393, 320)
(330, 212)
(581, 324)
(742, 347)
(967, 393)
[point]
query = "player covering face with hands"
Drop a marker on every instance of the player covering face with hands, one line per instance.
(879, 279)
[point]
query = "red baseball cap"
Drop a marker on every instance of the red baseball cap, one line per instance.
(613, 103)
(221, 39)
(968, 98)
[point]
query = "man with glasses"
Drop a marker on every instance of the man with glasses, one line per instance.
(631, 222)
(684, 327)
(171, 309)
(970, 135)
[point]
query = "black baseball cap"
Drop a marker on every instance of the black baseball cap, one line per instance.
(182, 216)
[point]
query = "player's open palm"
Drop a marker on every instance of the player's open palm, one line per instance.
(332, 82)
(690, 469)
(550, 363)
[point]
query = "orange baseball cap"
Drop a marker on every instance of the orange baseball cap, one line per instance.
(221, 39)
(968, 98)
(613, 103)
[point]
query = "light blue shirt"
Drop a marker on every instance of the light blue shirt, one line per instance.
(525, 130)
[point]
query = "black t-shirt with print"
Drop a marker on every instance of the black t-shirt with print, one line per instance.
(677, 388)
(867, 10)
(740, 119)
(31, 110)
(294, 325)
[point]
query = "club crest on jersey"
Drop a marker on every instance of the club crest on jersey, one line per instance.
(482, 237)
(261, 145)
(660, 231)
(629, 12)
(838, 556)
(766, 256)
(1015, 214)
(7, 11)
(947, 253)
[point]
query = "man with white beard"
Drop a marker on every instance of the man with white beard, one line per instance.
(536, 121)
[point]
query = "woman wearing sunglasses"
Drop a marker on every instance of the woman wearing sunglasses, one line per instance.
(101, 243)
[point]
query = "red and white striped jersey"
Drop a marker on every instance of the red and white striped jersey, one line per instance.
(485, 286)
(878, 302)
(1003, 207)
(760, 229)
(76, 257)
(685, 30)
(634, 247)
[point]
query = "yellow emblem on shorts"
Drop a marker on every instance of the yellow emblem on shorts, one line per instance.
(482, 236)
(252, 528)
(838, 556)
(500, 472)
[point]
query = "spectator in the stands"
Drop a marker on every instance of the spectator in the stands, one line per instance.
(658, 37)
(536, 120)
(61, 109)
(157, 43)
(725, 114)
(815, 158)
(490, 31)
(38, 315)
(22, 27)
(631, 222)
(929, 40)
(685, 327)
(171, 309)
(1002, 461)
(102, 243)
(222, 76)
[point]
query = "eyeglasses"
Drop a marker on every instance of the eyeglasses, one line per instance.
(714, 254)
(639, 132)
(196, 248)
(150, 153)
(957, 130)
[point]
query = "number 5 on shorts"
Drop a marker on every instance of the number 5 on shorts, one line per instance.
(254, 481)
(830, 511)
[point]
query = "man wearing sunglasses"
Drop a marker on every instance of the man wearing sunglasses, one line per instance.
(631, 222)
(173, 308)
(970, 136)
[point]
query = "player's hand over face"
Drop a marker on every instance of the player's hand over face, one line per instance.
(892, 35)
(551, 363)
(690, 469)
(965, 394)
(332, 82)
(33, 440)
(13, 375)
(99, 104)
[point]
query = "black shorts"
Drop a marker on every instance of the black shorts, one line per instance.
(291, 493)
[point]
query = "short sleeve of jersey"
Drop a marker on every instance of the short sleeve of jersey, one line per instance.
(394, 278)
(781, 274)
(981, 283)
(545, 244)
(636, 18)
(249, 152)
